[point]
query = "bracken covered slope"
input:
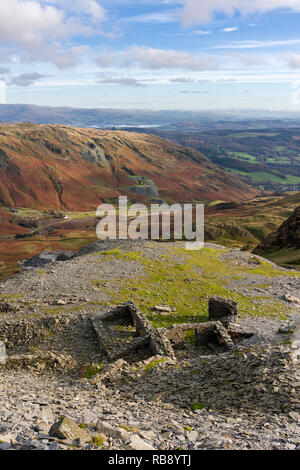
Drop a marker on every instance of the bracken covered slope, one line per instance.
(58, 167)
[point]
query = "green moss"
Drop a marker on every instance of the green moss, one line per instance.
(129, 429)
(119, 254)
(53, 310)
(187, 428)
(116, 251)
(190, 338)
(154, 364)
(195, 372)
(97, 441)
(41, 272)
(49, 333)
(93, 370)
(197, 406)
(10, 296)
(82, 426)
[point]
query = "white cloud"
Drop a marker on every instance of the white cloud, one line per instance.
(229, 30)
(26, 21)
(293, 61)
(147, 57)
(26, 79)
(34, 30)
(169, 16)
(182, 80)
(199, 32)
(66, 58)
(90, 8)
(257, 44)
(122, 81)
(198, 11)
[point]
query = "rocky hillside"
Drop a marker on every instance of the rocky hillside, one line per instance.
(165, 375)
(57, 167)
(285, 241)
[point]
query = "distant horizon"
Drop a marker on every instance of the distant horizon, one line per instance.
(152, 110)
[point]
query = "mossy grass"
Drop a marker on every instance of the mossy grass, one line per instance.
(97, 441)
(128, 428)
(154, 364)
(197, 406)
(184, 280)
(93, 370)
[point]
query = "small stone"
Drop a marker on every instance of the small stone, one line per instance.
(162, 308)
(47, 415)
(112, 431)
(7, 438)
(192, 435)
(149, 435)
(5, 446)
(54, 446)
(290, 446)
(137, 443)
(292, 299)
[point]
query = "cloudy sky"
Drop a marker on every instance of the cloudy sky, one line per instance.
(158, 54)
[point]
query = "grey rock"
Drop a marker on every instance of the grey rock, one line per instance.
(137, 443)
(112, 431)
(5, 445)
(66, 428)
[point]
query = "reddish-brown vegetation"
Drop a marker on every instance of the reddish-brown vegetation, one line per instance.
(56, 167)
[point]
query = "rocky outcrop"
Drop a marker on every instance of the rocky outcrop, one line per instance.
(4, 159)
(287, 236)
(94, 154)
(47, 257)
(144, 187)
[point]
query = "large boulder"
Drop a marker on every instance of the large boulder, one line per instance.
(65, 428)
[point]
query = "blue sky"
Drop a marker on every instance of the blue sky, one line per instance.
(167, 54)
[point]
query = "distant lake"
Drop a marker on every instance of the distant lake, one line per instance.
(121, 126)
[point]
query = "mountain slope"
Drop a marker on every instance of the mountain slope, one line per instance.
(57, 167)
(284, 244)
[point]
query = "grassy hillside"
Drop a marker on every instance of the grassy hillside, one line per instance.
(283, 245)
(249, 224)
